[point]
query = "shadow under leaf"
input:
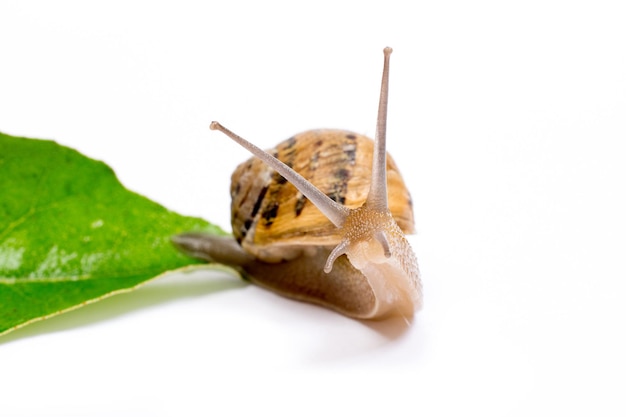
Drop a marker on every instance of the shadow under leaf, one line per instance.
(163, 290)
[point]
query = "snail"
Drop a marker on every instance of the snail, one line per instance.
(337, 239)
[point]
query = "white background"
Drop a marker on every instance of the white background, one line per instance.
(507, 120)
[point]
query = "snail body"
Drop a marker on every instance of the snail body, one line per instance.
(322, 218)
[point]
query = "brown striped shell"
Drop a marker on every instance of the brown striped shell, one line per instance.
(273, 221)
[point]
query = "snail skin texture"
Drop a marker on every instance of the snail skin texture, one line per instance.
(322, 218)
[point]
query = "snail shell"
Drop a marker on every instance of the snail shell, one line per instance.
(322, 218)
(272, 220)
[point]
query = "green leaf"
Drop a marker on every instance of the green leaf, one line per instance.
(70, 233)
